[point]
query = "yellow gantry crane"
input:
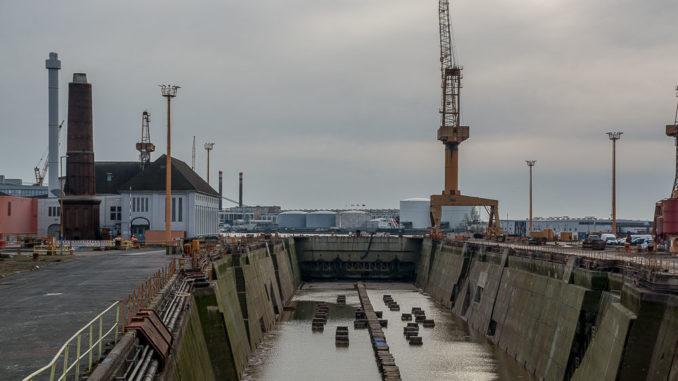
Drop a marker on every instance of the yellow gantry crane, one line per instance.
(452, 133)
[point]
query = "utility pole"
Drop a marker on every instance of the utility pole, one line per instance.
(614, 136)
(208, 148)
(169, 92)
(530, 163)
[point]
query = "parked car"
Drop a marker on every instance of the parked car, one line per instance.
(593, 242)
(610, 239)
(644, 243)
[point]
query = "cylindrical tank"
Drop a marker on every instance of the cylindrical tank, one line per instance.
(417, 211)
(321, 219)
(292, 220)
(670, 216)
(456, 216)
(352, 219)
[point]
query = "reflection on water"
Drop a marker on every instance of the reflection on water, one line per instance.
(450, 351)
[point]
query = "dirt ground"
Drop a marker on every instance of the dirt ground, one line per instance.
(21, 263)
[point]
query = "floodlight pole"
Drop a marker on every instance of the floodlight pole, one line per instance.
(169, 92)
(614, 136)
(530, 163)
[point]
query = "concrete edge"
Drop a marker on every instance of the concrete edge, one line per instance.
(115, 359)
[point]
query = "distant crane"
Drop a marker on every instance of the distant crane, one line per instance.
(40, 172)
(145, 147)
(452, 133)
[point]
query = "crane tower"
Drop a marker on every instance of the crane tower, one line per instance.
(451, 133)
(145, 147)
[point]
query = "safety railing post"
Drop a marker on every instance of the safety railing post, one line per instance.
(77, 358)
(89, 367)
(101, 333)
(65, 362)
(52, 371)
(117, 323)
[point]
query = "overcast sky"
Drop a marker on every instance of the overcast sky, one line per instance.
(328, 103)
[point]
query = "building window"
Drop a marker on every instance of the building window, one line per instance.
(174, 201)
(181, 213)
(145, 204)
(9, 208)
(49, 211)
(116, 213)
(134, 204)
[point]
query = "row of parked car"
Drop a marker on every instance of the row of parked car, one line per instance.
(599, 242)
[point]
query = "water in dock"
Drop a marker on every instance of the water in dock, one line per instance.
(450, 350)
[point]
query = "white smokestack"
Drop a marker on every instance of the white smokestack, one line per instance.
(53, 66)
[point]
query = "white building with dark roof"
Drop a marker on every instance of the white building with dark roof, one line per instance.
(133, 201)
(194, 206)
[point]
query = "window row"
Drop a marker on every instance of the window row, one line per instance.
(54, 211)
(139, 204)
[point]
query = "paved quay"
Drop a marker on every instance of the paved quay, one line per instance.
(40, 310)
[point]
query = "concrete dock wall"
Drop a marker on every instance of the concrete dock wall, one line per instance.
(559, 320)
(557, 317)
(229, 318)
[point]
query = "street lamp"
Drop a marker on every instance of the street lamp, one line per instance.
(531, 163)
(169, 92)
(614, 136)
(208, 148)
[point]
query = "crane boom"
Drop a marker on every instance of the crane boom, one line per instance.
(450, 71)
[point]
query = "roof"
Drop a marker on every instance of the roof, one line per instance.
(183, 178)
(120, 172)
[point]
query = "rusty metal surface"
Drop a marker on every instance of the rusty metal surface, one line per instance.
(157, 322)
(148, 329)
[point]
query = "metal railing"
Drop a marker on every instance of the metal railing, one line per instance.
(93, 333)
(142, 296)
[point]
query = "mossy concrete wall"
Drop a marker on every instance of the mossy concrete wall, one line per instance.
(193, 357)
(558, 320)
(228, 319)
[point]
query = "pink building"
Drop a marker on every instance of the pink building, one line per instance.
(18, 215)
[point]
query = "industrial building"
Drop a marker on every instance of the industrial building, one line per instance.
(16, 187)
(17, 215)
(579, 227)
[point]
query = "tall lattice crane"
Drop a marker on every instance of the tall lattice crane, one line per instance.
(451, 132)
(145, 147)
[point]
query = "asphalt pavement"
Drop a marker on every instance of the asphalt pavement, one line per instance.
(40, 310)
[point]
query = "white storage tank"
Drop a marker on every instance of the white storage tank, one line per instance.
(352, 219)
(416, 211)
(457, 216)
(292, 220)
(321, 219)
